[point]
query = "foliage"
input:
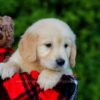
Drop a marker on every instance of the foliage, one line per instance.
(84, 18)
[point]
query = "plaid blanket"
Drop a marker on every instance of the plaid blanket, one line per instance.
(23, 86)
(5, 53)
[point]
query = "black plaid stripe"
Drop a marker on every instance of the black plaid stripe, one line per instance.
(33, 86)
(30, 89)
(67, 88)
(3, 92)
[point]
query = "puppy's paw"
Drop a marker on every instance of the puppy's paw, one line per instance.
(48, 79)
(7, 71)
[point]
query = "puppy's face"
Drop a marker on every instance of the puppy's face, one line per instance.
(54, 50)
(51, 42)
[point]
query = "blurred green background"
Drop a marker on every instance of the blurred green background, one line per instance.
(83, 16)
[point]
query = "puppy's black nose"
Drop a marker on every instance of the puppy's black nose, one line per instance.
(60, 61)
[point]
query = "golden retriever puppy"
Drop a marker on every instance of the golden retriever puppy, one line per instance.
(47, 46)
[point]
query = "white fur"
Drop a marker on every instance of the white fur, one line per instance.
(66, 29)
(48, 79)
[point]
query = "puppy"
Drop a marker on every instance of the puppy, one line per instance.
(47, 46)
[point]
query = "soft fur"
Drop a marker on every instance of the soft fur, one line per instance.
(6, 31)
(34, 54)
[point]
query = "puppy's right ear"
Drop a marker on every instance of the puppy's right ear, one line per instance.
(28, 47)
(73, 55)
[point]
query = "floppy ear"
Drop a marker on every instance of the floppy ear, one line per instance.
(73, 55)
(27, 47)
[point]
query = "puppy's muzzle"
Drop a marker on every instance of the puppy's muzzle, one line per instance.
(60, 62)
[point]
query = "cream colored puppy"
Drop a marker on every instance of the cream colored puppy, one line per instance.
(47, 46)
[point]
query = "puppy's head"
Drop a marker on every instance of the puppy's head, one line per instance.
(51, 42)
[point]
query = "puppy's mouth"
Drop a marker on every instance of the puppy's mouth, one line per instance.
(58, 67)
(52, 65)
(55, 67)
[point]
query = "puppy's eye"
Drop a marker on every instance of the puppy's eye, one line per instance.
(48, 45)
(66, 45)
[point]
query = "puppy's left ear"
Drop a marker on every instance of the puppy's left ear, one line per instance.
(73, 55)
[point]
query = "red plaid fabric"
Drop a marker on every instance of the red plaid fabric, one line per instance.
(23, 86)
(4, 52)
